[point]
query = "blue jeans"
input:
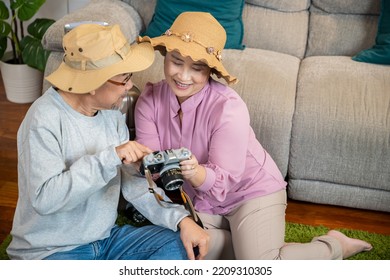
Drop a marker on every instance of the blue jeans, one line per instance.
(130, 243)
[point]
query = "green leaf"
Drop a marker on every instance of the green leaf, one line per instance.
(3, 45)
(5, 28)
(4, 12)
(39, 26)
(33, 53)
(26, 9)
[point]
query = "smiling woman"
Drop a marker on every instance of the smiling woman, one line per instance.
(185, 76)
(240, 196)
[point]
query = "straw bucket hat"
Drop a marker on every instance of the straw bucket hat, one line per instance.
(197, 35)
(95, 53)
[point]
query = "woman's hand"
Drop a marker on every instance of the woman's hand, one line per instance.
(192, 171)
(192, 236)
(132, 151)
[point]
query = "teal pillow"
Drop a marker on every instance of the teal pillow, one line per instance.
(380, 52)
(227, 12)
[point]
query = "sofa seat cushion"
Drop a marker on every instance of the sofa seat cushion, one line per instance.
(341, 124)
(339, 194)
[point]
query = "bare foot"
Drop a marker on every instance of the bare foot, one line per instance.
(350, 246)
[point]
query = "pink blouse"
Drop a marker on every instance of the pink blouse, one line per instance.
(216, 128)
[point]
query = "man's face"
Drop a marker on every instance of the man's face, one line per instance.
(111, 94)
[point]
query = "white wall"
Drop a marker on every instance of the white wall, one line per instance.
(76, 4)
(56, 9)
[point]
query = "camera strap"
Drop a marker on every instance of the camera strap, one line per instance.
(184, 196)
(150, 181)
(190, 207)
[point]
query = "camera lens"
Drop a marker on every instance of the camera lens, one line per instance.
(172, 178)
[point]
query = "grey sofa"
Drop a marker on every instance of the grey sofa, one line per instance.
(323, 117)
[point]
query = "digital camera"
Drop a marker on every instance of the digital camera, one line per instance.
(166, 163)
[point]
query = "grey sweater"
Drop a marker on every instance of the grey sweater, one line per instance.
(70, 178)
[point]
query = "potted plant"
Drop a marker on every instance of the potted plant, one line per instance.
(27, 50)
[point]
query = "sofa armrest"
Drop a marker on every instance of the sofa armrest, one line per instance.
(110, 11)
(128, 109)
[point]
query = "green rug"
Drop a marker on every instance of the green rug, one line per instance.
(380, 242)
(304, 233)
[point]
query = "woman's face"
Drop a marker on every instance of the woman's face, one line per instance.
(185, 76)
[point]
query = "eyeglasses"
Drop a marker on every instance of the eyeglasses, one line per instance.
(125, 81)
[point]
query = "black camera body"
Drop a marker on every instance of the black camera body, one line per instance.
(135, 216)
(166, 163)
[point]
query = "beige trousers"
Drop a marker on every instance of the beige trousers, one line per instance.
(255, 230)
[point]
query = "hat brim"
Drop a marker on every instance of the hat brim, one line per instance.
(195, 51)
(140, 57)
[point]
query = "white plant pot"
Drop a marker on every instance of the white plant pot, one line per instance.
(22, 83)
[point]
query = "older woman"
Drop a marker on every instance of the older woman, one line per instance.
(236, 187)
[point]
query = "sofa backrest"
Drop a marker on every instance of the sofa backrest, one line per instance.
(342, 27)
(302, 27)
(277, 25)
(144, 7)
(305, 28)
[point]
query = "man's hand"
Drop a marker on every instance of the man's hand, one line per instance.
(192, 235)
(132, 151)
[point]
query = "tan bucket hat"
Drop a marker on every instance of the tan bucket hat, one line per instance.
(197, 35)
(95, 53)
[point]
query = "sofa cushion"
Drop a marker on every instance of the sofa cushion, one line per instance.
(145, 9)
(341, 124)
(339, 194)
(356, 7)
(110, 11)
(268, 86)
(380, 52)
(274, 30)
(153, 74)
(228, 13)
(282, 5)
(339, 33)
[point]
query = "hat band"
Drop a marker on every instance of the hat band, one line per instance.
(83, 65)
(188, 37)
